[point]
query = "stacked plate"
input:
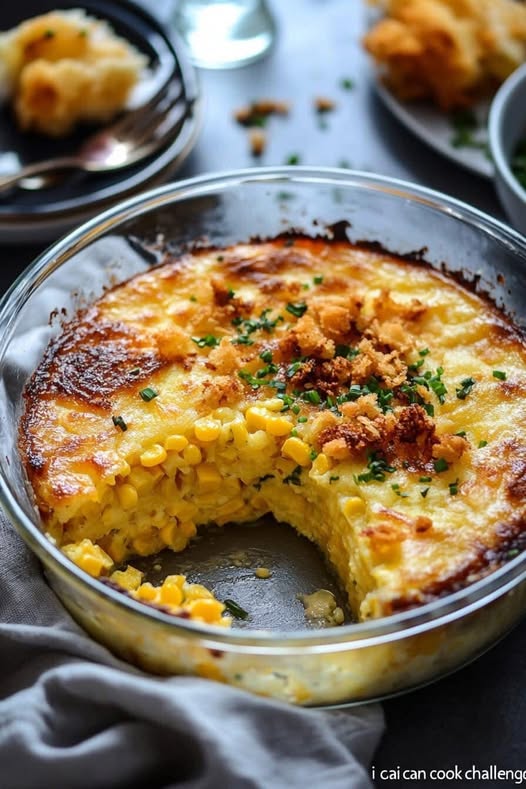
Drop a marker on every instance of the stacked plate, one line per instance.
(28, 215)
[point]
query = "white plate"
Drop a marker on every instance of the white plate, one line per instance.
(436, 130)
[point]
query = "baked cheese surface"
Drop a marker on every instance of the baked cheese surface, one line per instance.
(374, 404)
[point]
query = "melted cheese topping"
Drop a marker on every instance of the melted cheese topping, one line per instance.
(373, 404)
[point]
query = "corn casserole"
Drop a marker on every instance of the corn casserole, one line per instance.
(371, 402)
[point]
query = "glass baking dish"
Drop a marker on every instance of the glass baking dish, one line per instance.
(349, 664)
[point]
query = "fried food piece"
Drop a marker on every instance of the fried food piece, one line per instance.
(449, 51)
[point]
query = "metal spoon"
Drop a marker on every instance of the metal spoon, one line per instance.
(133, 137)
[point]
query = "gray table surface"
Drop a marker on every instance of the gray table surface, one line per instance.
(477, 716)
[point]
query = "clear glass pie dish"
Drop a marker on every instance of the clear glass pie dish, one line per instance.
(341, 665)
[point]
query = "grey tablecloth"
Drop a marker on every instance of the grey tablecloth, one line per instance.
(72, 715)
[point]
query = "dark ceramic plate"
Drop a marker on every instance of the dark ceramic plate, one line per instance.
(29, 215)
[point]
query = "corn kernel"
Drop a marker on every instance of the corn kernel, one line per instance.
(127, 496)
(167, 488)
(129, 579)
(168, 532)
(153, 456)
(144, 480)
(297, 450)
(272, 404)
(208, 610)
(256, 418)
(258, 441)
(208, 477)
(176, 443)
(192, 455)
(92, 565)
(278, 426)
(207, 429)
(111, 517)
(124, 469)
(184, 510)
(89, 557)
(240, 433)
(144, 545)
(230, 507)
(224, 414)
(320, 464)
(171, 594)
(178, 580)
(353, 506)
(196, 592)
(147, 592)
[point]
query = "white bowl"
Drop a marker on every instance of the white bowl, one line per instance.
(507, 126)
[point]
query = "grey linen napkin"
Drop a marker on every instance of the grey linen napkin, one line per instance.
(72, 715)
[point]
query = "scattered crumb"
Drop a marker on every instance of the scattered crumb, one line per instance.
(321, 608)
(324, 104)
(262, 572)
(258, 141)
(256, 113)
(157, 567)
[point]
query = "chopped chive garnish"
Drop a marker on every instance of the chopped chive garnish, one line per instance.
(313, 454)
(347, 352)
(220, 258)
(302, 418)
(461, 433)
(293, 158)
(441, 464)
(266, 356)
(378, 468)
(512, 553)
(208, 341)
(235, 609)
(293, 432)
(426, 479)
(294, 477)
(333, 479)
(298, 309)
(192, 298)
(465, 388)
(453, 488)
(317, 280)
(347, 83)
(499, 374)
(231, 293)
(424, 492)
(482, 444)
(118, 421)
(424, 352)
(311, 396)
(135, 371)
(148, 394)
(49, 34)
